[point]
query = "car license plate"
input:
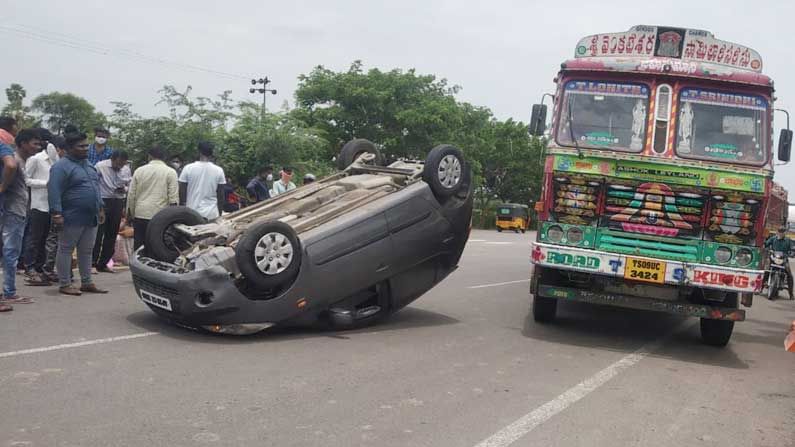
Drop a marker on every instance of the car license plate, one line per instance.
(645, 270)
(155, 300)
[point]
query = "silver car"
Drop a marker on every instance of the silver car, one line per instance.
(344, 251)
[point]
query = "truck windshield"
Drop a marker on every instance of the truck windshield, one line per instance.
(722, 126)
(604, 115)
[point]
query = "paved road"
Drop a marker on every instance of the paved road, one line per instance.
(463, 366)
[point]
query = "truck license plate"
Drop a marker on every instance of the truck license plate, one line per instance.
(645, 270)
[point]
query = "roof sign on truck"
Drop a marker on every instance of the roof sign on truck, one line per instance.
(676, 43)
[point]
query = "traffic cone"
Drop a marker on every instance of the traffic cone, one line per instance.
(789, 342)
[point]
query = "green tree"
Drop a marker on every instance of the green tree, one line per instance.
(404, 112)
(189, 121)
(15, 107)
(245, 139)
(272, 140)
(56, 110)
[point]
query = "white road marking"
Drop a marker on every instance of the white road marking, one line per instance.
(530, 421)
(477, 240)
(499, 243)
(75, 345)
(496, 284)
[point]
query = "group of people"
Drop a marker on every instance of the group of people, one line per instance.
(62, 197)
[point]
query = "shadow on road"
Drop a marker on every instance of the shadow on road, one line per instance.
(405, 319)
(626, 330)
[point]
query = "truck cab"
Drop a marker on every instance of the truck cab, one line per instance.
(657, 177)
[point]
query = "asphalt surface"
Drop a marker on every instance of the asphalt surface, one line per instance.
(465, 365)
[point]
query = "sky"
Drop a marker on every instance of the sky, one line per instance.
(504, 54)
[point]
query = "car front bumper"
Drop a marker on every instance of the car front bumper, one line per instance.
(208, 299)
(676, 273)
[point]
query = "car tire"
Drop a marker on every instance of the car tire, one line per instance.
(499, 230)
(523, 230)
(445, 170)
(544, 309)
(353, 149)
(269, 255)
(160, 239)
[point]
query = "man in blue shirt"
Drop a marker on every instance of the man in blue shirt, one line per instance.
(99, 149)
(76, 209)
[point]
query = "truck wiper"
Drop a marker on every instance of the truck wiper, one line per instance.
(571, 129)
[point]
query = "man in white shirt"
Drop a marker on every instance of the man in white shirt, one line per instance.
(201, 184)
(39, 263)
(114, 179)
(284, 184)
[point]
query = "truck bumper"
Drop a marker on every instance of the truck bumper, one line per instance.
(677, 273)
(633, 302)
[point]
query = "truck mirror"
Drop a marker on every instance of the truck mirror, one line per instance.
(784, 145)
(538, 120)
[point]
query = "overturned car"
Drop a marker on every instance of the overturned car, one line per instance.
(344, 251)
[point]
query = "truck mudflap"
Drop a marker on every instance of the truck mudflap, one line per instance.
(671, 272)
(632, 302)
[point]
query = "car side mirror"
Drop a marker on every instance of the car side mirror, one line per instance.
(538, 120)
(784, 145)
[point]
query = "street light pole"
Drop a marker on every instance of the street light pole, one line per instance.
(264, 90)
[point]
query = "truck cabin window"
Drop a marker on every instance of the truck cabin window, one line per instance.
(602, 115)
(722, 127)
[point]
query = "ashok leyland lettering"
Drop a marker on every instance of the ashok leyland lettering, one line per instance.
(657, 177)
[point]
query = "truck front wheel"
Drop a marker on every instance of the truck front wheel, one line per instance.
(716, 332)
(544, 309)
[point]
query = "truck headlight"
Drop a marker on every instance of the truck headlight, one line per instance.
(555, 233)
(574, 235)
(723, 254)
(744, 257)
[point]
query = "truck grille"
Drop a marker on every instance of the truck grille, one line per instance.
(627, 243)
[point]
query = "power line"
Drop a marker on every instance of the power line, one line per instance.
(92, 47)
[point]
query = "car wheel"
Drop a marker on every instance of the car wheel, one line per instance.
(499, 230)
(353, 149)
(523, 230)
(162, 242)
(445, 170)
(269, 255)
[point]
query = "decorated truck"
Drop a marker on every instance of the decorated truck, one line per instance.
(657, 177)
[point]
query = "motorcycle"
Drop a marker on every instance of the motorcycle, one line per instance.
(778, 274)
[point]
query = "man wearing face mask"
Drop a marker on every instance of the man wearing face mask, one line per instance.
(285, 183)
(99, 149)
(176, 163)
(257, 188)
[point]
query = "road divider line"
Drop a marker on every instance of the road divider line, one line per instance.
(497, 284)
(530, 421)
(79, 344)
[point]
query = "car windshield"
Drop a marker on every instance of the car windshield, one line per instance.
(722, 127)
(603, 115)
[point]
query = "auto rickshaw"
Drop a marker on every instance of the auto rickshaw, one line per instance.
(512, 216)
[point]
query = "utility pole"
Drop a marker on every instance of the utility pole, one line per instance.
(264, 90)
